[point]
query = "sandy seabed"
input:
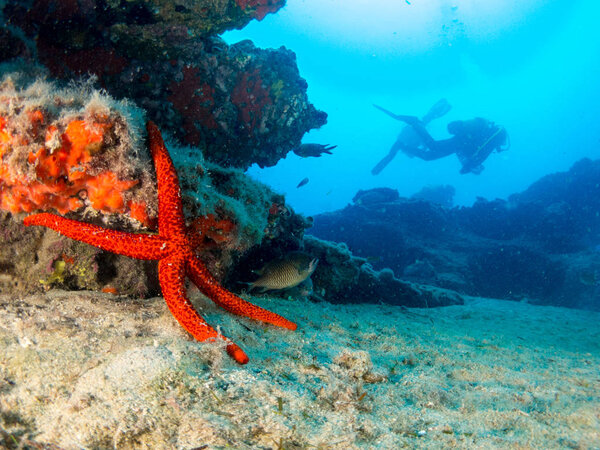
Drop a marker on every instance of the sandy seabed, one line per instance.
(89, 370)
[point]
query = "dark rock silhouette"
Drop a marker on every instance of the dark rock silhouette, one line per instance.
(375, 196)
(239, 104)
(539, 245)
(443, 195)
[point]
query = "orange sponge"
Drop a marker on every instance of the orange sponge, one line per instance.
(208, 231)
(56, 172)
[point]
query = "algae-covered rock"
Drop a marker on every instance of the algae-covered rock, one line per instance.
(77, 152)
(541, 244)
(342, 277)
(241, 105)
(196, 17)
(71, 149)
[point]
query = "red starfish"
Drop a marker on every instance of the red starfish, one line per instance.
(173, 249)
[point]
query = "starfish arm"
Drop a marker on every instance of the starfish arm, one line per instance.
(140, 246)
(202, 278)
(170, 218)
(171, 275)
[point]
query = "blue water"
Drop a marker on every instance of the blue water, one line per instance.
(530, 65)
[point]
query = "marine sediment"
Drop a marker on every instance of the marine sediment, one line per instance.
(84, 369)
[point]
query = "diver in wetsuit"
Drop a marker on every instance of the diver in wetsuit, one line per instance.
(472, 141)
(408, 140)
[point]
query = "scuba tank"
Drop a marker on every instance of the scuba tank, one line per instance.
(497, 140)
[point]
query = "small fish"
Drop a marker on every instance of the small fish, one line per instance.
(302, 183)
(316, 150)
(286, 272)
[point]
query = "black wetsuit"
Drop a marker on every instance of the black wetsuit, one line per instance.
(473, 143)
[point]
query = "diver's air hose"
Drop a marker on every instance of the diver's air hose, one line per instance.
(488, 140)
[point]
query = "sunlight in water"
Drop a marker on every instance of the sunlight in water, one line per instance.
(407, 25)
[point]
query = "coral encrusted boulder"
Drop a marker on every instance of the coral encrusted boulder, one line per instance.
(77, 152)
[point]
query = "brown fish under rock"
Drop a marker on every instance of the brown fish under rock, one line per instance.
(316, 150)
(286, 272)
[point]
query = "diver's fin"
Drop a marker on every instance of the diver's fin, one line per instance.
(411, 120)
(381, 164)
(438, 110)
(389, 113)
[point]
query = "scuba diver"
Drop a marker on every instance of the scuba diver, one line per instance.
(472, 141)
(408, 140)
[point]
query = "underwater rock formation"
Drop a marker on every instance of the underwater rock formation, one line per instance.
(69, 149)
(241, 105)
(375, 196)
(540, 245)
(340, 277)
(344, 278)
(78, 152)
(199, 18)
(443, 195)
(396, 230)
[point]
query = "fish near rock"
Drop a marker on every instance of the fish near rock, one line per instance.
(316, 150)
(286, 272)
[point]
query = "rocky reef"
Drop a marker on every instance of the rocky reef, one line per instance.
(539, 245)
(240, 105)
(345, 278)
(78, 84)
(80, 153)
